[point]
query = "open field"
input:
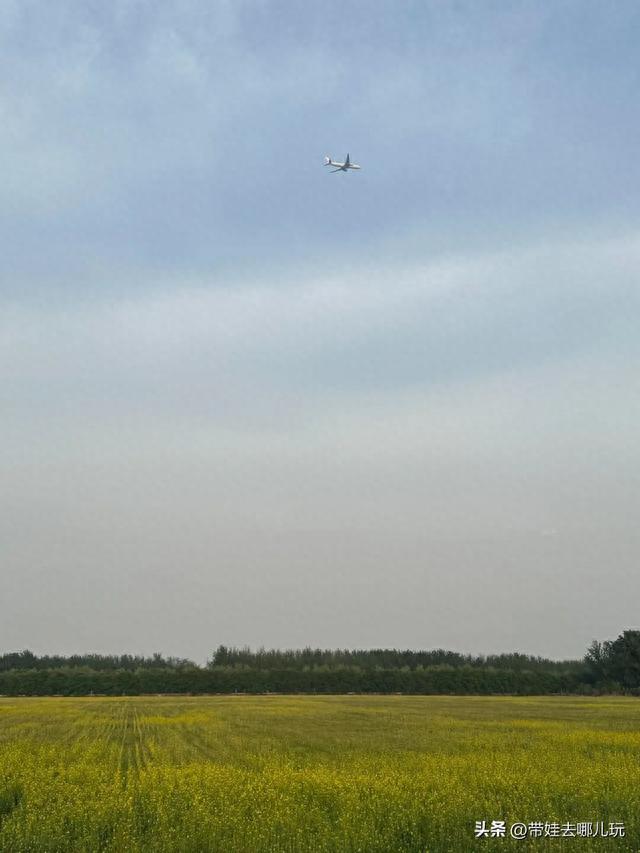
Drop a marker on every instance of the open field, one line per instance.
(351, 773)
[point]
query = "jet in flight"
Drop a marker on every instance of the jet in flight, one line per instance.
(340, 167)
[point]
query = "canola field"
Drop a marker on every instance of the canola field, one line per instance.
(249, 774)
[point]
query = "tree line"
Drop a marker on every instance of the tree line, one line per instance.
(301, 659)
(99, 663)
(609, 666)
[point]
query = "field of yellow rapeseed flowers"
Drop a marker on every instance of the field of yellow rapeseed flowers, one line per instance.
(241, 774)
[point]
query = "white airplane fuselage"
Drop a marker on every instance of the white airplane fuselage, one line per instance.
(340, 167)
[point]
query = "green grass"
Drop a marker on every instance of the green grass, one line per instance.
(350, 773)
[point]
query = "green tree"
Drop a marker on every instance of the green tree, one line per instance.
(623, 659)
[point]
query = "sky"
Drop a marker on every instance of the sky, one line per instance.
(247, 401)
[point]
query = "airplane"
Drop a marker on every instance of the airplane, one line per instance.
(340, 167)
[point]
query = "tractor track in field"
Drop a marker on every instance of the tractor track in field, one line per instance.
(133, 750)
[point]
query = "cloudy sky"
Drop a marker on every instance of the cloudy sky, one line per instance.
(246, 401)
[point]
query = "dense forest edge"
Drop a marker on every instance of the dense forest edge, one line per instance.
(612, 666)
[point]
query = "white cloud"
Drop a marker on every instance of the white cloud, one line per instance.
(534, 304)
